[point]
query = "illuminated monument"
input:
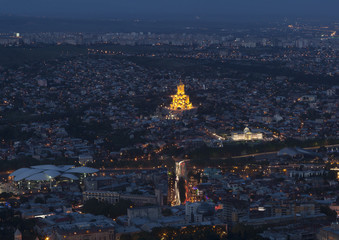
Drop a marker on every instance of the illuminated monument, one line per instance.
(181, 101)
(247, 135)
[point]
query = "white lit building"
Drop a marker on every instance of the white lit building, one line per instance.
(247, 135)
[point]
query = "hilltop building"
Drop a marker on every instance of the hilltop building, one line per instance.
(180, 100)
(247, 135)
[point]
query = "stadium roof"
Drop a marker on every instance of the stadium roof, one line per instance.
(292, 152)
(48, 172)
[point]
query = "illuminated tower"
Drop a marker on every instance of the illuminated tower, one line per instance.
(181, 101)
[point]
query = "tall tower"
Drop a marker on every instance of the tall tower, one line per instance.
(180, 101)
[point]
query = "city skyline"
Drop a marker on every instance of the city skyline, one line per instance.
(165, 120)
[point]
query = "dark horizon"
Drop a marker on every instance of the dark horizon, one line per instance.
(175, 9)
(158, 24)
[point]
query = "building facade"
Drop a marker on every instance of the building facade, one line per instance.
(180, 101)
(103, 196)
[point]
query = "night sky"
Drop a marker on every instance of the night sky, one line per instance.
(172, 8)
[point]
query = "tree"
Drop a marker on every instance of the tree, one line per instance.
(332, 175)
(6, 195)
(23, 199)
(39, 200)
(167, 212)
(126, 237)
(96, 207)
(331, 214)
(243, 232)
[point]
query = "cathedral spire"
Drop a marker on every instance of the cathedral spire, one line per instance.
(180, 101)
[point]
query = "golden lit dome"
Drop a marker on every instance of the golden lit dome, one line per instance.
(247, 130)
(181, 101)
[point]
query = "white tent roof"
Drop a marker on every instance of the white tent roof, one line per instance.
(52, 173)
(66, 167)
(70, 176)
(46, 172)
(287, 151)
(24, 174)
(17, 172)
(38, 177)
(47, 167)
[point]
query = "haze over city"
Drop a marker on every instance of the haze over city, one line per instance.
(169, 9)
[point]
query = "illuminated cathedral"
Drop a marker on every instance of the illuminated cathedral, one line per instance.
(180, 101)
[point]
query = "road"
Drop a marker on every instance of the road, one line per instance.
(271, 154)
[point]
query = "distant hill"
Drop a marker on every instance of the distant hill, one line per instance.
(14, 56)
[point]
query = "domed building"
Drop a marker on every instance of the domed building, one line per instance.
(246, 135)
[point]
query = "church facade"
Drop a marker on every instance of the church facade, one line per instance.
(180, 101)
